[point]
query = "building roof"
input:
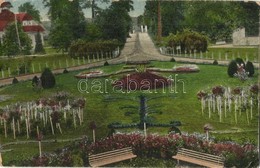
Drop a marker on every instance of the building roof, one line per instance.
(23, 16)
(33, 28)
(7, 17)
(6, 5)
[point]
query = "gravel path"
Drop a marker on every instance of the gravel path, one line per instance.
(137, 48)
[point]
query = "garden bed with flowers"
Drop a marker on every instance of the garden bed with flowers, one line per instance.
(48, 115)
(153, 146)
(188, 68)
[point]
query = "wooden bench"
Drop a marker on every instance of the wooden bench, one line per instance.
(199, 158)
(109, 157)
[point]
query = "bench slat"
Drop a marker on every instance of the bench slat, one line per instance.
(110, 157)
(199, 158)
(202, 156)
(197, 161)
(192, 151)
(110, 161)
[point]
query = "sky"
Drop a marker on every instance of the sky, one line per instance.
(138, 7)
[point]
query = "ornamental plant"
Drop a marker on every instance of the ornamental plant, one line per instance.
(47, 79)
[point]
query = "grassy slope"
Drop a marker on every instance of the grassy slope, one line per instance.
(184, 107)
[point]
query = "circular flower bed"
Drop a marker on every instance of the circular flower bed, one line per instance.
(91, 74)
(142, 81)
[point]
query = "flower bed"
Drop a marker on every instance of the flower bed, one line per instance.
(189, 68)
(142, 81)
(153, 146)
(54, 111)
(91, 74)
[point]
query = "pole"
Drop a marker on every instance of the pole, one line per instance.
(159, 31)
(17, 33)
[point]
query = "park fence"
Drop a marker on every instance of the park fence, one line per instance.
(212, 55)
(37, 67)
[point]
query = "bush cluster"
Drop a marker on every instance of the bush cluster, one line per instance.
(82, 48)
(188, 40)
(233, 68)
(47, 79)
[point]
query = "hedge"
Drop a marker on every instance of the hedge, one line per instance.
(82, 48)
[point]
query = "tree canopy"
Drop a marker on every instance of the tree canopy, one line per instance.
(115, 22)
(27, 7)
(10, 44)
(67, 22)
(215, 19)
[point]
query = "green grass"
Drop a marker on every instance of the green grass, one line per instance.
(26, 151)
(38, 63)
(183, 106)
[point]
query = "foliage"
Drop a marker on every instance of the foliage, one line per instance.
(35, 81)
(216, 20)
(215, 62)
(106, 63)
(240, 61)
(250, 68)
(68, 22)
(172, 60)
(82, 48)
(188, 41)
(116, 26)
(65, 71)
(38, 44)
(24, 67)
(93, 32)
(15, 80)
(10, 43)
(47, 79)
(232, 68)
(28, 8)
(172, 16)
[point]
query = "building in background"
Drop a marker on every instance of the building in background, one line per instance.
(29, 26)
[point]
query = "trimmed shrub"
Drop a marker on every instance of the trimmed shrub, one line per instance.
(250, 68)
(215, 62)
(15, 80)
(240, 61)
(35, 81)
(106, 63)
(65, 71)
(172, 60)
(47, 79)
(232, 68)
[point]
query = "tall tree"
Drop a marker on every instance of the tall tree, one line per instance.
(115, 21)
(30, 9)
(38, 44)
(10, 41)
(67, 22)
(94, 7)
(171, 16)
(220, 19)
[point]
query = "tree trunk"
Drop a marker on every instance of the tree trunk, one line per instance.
(159, 31)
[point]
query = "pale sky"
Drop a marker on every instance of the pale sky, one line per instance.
(138, 7)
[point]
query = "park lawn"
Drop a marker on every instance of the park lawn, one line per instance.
(38, 63)
(235, 52)
(26, 151)
(184, 107)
